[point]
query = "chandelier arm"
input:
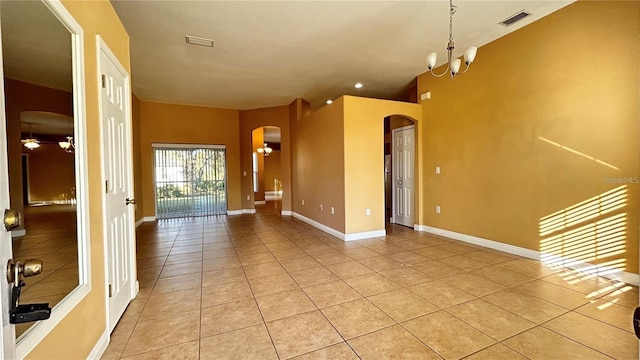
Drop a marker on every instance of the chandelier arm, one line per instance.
(467, 66)
(440, 75)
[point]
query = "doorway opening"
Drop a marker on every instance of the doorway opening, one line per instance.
(399, 170)
(267, 174)
(190, 180)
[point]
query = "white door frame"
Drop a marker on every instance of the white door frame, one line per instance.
(7, 331)
(34, 335)
(393, 171)
(102, 47)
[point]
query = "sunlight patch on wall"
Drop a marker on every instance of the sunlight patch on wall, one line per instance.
(589, 209)
(576, 152)
(592, 231)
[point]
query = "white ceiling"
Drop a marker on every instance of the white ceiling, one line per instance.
(269, 52)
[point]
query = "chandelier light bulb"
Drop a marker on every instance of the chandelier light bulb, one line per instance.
(470, 55)
(431, 60)
(455, 66)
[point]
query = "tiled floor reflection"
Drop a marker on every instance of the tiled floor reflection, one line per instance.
(270, 287)
(51, 237)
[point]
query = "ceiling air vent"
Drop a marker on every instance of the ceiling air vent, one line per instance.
(515, 18)
(194, 40)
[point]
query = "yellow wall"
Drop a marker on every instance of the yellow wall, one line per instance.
(272, 170)
(76, 334)
(527, 131)
(318, 175)
(51, 173)
(253, 119)
(137, 156)
(182, 124)
(364, 158)
(339, 162)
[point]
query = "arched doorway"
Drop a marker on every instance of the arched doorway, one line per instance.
(399, 170)
(266, 165)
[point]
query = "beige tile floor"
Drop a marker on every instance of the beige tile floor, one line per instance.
(269, 287)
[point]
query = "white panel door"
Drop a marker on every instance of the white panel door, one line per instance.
(116, 160)
(7, 330)
(403, 176)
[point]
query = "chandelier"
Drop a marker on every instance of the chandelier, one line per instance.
(31, 142)
(265, 150)
(68, 145)
(453, 65)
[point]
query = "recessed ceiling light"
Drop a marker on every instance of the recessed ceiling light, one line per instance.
(358, 85)
(329, 102)
(194, 40)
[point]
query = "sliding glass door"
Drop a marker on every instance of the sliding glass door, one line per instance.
(190, 180)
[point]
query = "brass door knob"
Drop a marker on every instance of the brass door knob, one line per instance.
(15, 269)
(130, 201)
(12, 219)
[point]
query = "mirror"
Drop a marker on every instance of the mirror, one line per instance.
(42, 92)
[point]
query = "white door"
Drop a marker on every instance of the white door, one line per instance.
(7, 330)
(403, 175)
(119, 226)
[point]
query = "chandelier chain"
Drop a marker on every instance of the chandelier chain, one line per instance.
(452, 10)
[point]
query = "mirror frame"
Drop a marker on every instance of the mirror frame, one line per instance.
(36, 333)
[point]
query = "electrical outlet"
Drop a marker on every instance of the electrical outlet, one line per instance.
(244, 173)
(248, 197)
(333, 210)
(367, 212)
(302, 202)
(437, 209)
(321, 208)
(437, 169)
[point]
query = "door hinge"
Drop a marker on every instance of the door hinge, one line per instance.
(106, 186)
(104, 81)
(110, 290)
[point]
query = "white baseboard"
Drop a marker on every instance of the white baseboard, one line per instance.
(285, 212)
(338, 234)
(365, 235)
(260, 202)
(627, 277)
(139, 222)
(18, 233)
(273, 193)
(240, 212)
(149, 218)
(100, 347)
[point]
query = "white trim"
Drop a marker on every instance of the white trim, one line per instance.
(100, 347)
(627, 277)
(338, 234)
(187, 146)
(318, 225)
(285, 212)
(394, 185)
(18, 233)
(240, 212)
(139, 222)
(260, 202)
(365, 235)
(149, 218)
(273, 193)
(34, 335)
